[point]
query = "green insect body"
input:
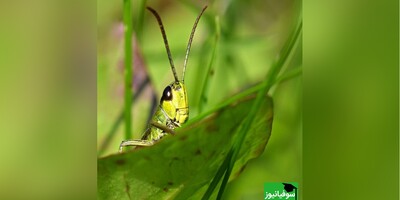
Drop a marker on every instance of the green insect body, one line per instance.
(173, 110)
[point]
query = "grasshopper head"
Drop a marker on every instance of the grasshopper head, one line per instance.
(174, 102)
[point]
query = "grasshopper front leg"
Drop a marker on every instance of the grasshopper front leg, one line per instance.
(146, 142)
(135, 143)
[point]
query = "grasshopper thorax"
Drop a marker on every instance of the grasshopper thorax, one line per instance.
(174, 103)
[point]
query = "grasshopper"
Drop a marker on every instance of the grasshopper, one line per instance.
(173, 110)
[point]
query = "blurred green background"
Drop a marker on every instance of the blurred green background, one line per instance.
(251, 36)
(351, 100)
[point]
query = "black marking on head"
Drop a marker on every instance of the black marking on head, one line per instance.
(170, 183)
(165, 189)
(167, 94)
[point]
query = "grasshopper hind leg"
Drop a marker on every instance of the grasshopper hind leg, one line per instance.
(135, 143)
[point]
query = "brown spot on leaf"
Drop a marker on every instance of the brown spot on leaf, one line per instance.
(270, 118)
(183, 138)
(240, 170)
(175, 158)
(260, 149)
(212, 128)
(120, 162)
(147, 158)
(165, 189)
(198, 152)
(127, 188)
(211, 72)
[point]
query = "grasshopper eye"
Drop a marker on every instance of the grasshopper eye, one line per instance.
(167, 94)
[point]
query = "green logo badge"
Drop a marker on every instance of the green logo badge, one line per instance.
(286, 190)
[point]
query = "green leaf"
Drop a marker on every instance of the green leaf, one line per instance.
(182, 166)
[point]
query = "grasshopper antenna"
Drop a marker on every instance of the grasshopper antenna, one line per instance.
(171, 62)
(190, 42)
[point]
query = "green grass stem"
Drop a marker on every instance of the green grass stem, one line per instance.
(128, 72)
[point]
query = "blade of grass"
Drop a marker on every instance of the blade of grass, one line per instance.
(270, 78)
(210, 68)
(265, 86)
(221, 171)
(288, 75)
(128, 71)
